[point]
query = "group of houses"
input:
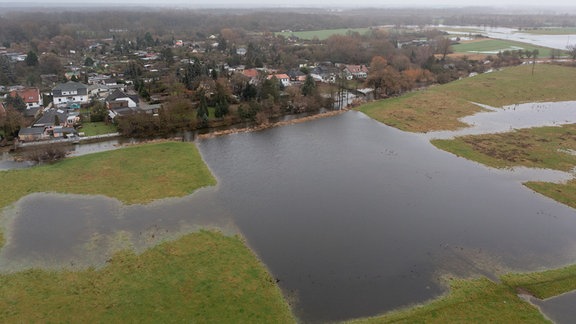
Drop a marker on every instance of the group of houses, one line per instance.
(60, 118)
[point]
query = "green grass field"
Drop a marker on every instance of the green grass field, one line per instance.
(440, 107)
(98, 128)
(323, 34)
(203, 277)
(493, 46)
(138, 174)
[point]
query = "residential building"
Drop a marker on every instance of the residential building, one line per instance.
(70, 92)
(31, 96)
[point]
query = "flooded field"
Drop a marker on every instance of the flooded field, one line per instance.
(352, 217)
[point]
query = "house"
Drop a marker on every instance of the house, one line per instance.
(284, 79)
(31, 96)
(131, 101)
(30, 134)
(356, 71)
(70, 92)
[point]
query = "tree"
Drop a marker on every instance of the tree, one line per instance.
(167, 56)
(98, 112)
(16, 102)
(443, 46)
(309, 86)
(12, 122)
(202, 111)
(88, 61)
(31, 59)
(222, 105)
(534, 57)
(377, 73)
(572, 51)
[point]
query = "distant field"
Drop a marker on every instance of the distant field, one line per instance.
(550, 31)
(493, 46)
(323, 34)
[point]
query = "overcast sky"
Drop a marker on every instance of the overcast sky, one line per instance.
(315, 3)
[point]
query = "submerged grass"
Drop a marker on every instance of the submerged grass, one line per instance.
(542, 147)
(203, 277)
(440, 107)
(138, 174)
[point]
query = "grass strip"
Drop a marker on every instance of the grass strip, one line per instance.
(98, 128)
(440, 107)
(543, 284)
(203, 277)
(138, 174)
(469, 301)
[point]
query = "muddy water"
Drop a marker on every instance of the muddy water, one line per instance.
(352, 217)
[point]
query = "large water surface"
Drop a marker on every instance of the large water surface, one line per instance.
(351, 216)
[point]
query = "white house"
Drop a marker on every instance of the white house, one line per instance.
(70, 92)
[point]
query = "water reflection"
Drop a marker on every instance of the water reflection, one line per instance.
(559, 309)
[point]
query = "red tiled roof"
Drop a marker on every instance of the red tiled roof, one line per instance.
(251, 73)
(30, 95)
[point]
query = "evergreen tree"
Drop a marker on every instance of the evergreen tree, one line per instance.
(309, 86)
(222, 104)
(31, 59)
(202, 111)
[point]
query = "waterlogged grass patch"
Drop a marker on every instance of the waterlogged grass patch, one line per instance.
(469, 301)
(204, 277)
(138, 174)
(542, 147)
(440, 107)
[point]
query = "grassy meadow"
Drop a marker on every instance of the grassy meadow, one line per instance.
(440, 107)
(97, 128)
(323, 34)
(203, 277)
(138, 174)
(492, 46)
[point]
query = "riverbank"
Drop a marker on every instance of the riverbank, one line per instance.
(267, 125)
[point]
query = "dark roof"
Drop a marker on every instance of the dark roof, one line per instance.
(117, 94)
(48, 117)
(31, 131)
(70, 86)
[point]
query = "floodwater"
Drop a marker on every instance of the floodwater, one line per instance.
(353, 217)
(552, 41)
(509, 118)
(559, 309)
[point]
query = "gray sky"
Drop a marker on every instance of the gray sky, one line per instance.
(318, 3)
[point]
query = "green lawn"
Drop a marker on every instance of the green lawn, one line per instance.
(439, 107)
(323, 34)
(203, 277)
(138, 174)
(97, 128)
(493, 46)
